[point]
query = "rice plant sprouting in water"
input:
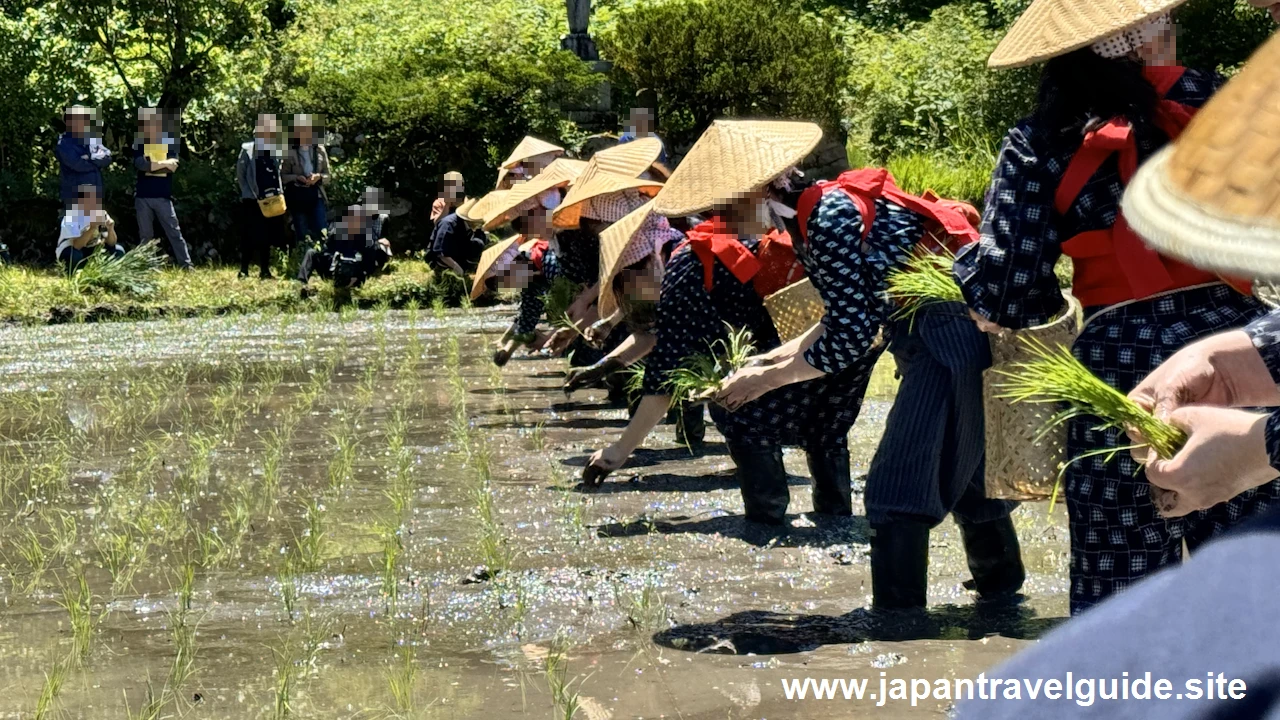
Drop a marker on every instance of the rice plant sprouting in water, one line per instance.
(1054, 375)
(925, 280)
(702, 374)
(133, 273)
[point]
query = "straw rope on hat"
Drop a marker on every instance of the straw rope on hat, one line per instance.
(734, 158)
(794, 309)
(492, 261)
(610, 171)
(530, 147)
(484, 205)
(1049, 28)
(558, 174)
(1212, 198)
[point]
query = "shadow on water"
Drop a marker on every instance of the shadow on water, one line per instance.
(760, 632)
(663, 482)
(824, 533)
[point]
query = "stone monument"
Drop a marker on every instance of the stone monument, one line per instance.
(579, 41)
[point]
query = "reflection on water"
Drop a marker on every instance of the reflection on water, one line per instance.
(356, 515)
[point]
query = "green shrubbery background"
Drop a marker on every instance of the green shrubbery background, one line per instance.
(413, 89)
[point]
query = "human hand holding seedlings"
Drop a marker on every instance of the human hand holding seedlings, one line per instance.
(779, 367)
(1224, 370)
(1225, 455)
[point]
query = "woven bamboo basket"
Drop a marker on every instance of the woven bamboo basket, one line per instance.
(1020, 464)
(794, 309)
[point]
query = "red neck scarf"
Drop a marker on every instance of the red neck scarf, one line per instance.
(713, 239)
(537, 253)
(865, 186)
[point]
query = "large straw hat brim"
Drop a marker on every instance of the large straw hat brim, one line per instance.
(492, 260)
(734, 158)
(1049, 28)
(631, 158)
(483, 206)
(558, 174)
(595, 183)
(1213, 197)
(530, 147)
(462, 210)
(614, 241)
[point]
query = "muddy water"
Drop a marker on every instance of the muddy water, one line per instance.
(227, 490)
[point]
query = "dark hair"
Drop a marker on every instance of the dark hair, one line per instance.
(519, 223)
(1082, 85)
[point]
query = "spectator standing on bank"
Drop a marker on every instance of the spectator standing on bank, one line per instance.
(81, 154)
(155, 156)
(640, 124)
(262, 204)
(304, 172)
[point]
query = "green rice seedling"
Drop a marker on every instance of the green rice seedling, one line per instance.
(63, 532)
(412, 310)
(288, 579)
(402, 677)
(1053, 375)
(392, 547)
(437, 308)
(135, 273)
(538, 437)
(33, 553)
(286, 680)
(54, 679)
(78, 602)
(185, 588)
(702, 374)
(646, 610)
(311, 547)
(184, 646)
(634, 384)
(564, 699)
(118, 551)
(344, 456)
(925, 280)
(153, 703)
(237, 514)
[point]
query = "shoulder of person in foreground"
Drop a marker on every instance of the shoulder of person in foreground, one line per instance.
(1187, 626)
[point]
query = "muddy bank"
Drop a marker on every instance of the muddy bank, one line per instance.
(278, 516)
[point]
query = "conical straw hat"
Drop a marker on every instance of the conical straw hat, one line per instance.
(733, 158)
(619, 247)
(1050, 28)
(484, 205)
(462, 210)
(492, 261)
(613, 170)
(530, 147)
(1213, 197)
(559, 173)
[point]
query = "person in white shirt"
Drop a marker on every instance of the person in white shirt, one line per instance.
(85, 227)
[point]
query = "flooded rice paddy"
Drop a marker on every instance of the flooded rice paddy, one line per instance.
(357, 516)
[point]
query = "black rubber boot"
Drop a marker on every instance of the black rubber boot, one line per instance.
(691, 427)
(763, 481)
(995, 559)
(832, 483)
(900, 566)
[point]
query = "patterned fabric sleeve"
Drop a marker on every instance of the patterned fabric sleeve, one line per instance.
(533, 299)
(1007, 277)
(849, 275)
(1265, 333)
(687, 320)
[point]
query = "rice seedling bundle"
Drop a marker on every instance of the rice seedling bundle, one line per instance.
(133, 273)
(1053, 375)
(925, 280)
(702, 375)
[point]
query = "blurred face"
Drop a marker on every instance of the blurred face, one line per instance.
(304, 132)
(266, 128)
(642, 284)
(152, 127)
(517, 275)
(355, 220)
(89, 201)
(1161, 51)
(535, 222)
(749, 215)
(454, 190)
(78, 124)
(641, 121)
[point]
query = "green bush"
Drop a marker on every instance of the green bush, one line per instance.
(715, 58)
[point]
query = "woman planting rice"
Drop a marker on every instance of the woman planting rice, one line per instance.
(855, 231)
(715, 283)
(1110, 97)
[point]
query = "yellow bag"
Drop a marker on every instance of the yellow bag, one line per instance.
(272, 206)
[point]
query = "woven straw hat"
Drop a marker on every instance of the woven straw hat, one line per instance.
(613, 170)
(1050, 28)
(733, 158)
(477, 211)
(558, 174)
(620, 247)
(794, 309)
(1213, 197)
(530, 147)
(462, 210)
(492, 261)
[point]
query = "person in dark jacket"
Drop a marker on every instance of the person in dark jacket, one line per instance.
(81, 155)
(258, 174)
(155, 156)
(455, 244)
(351, 253)
(304, 171)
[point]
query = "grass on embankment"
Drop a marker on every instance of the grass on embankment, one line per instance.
(40, 296)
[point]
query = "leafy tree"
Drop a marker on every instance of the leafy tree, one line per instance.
(713, 58)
